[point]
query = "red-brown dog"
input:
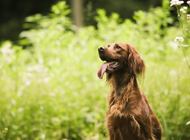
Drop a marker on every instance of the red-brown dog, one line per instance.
(129, 116)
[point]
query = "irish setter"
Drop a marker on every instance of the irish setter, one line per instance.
(129, 116)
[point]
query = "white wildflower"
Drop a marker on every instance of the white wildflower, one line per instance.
(173, 72)
(7, 49)
(180, 39)
(188, 16)
(188, 2)
(20, 109)
(40, 61)
(188, 123)
(44, 80)
(7, 52)
(176, 2)
(27, 82)
(36, 68)
(43, 136)
(184, 9)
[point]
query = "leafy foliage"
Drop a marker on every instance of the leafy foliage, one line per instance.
(51, 90)
(184, 19)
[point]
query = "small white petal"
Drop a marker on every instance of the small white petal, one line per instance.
(188, 123)
(180, 39)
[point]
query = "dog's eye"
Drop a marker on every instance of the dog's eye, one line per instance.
(117, 47)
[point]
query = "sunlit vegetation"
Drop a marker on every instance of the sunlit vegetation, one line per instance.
(50, 89)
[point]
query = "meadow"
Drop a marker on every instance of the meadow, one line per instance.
(49, 86)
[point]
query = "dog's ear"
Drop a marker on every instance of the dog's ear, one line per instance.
(135, 62)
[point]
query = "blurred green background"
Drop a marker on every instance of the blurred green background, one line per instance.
(48, 74)
(14, 12)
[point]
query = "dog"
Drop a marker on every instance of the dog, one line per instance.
(129, 116)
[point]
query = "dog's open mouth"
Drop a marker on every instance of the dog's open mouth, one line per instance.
(107, 67)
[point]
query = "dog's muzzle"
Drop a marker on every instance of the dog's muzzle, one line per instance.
(101, 49)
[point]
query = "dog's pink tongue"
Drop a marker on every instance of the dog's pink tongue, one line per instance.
(102, 69)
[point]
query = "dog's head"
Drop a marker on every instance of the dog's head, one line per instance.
(120, 56)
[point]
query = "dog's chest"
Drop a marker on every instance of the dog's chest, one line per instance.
(126, 127)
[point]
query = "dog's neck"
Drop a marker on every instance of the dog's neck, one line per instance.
(122, 82)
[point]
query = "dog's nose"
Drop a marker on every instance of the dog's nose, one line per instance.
(101, 49)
